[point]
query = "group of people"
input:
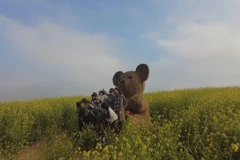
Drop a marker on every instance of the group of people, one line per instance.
(105, 109)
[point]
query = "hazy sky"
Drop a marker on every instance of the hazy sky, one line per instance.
(54, 48)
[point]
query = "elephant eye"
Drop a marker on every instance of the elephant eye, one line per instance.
(129, 76)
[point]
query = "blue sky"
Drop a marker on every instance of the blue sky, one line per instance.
(62, 48)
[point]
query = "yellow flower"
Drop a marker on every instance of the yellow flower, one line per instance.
(144, 147)
(150, 149)
(134, 157)
(86, 154)
(235, 147)
(99, 146)
(148, 140)
(120, 154)
(106, 150)
(124, 139)
(114, 157)
(154, 136)
(128, 146)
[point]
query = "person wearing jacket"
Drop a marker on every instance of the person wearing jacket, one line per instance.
(99, 114)
(102, 95)
(94, 96)
(82, 113)
(110, 97)
(111, 117)
(120, 104)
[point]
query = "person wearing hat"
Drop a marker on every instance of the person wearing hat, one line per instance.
(102, 95)
(98, 100)
(99, 113)
(93, 96)
(82, 113)
(95, 107)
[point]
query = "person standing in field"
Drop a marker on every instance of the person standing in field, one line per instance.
(102, 95)
(111, 117)
(110, 97)
(120, 104)
(82, 114)
(94, 96)
(99, 114)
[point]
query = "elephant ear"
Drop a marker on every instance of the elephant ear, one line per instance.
(116, 77)
(143, 71)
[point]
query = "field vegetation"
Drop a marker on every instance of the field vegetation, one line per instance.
(197, 124)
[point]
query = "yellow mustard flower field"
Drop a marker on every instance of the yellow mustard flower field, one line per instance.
(187, 124)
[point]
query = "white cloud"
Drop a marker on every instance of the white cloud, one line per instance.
(75, 62)
(198, 45)
(200, 41)
(202, 50)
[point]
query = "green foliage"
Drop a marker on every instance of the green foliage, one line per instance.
(190, 124)
(87, 139)
(58, 147)
(27, 121)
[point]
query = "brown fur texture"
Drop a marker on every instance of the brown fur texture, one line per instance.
(132, 85)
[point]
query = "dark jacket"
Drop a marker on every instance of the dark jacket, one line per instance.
(110, 99)
(80, 110)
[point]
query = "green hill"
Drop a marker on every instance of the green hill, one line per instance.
(199, 123)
